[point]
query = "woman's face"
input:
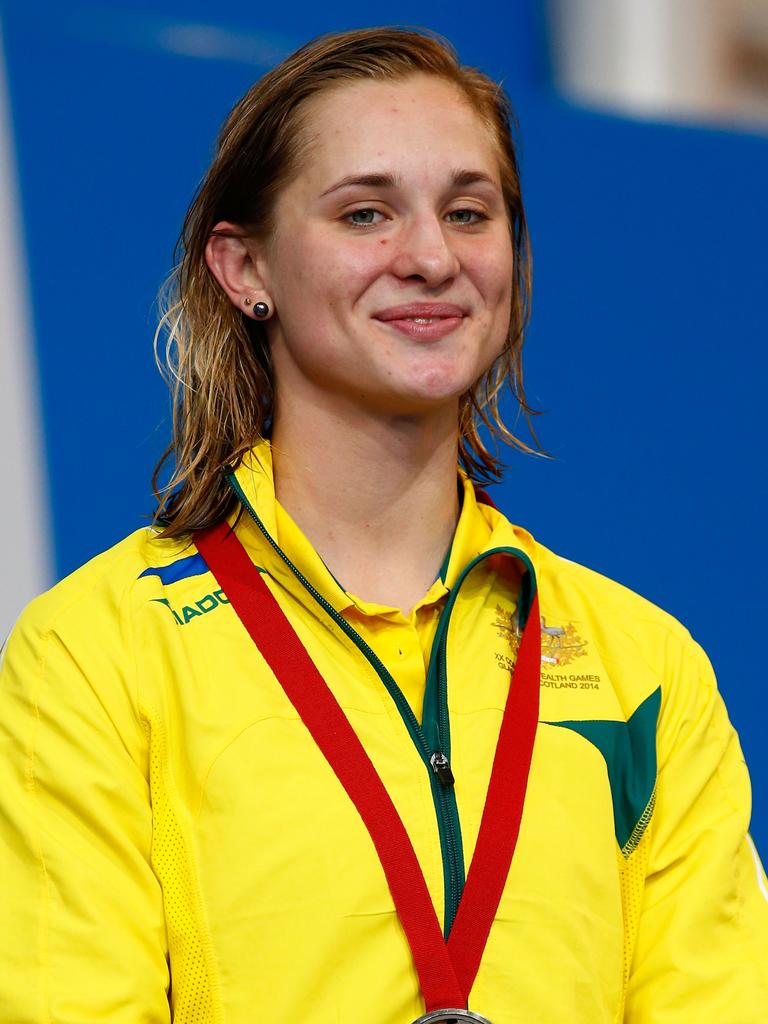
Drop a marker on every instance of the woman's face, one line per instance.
(390, 266)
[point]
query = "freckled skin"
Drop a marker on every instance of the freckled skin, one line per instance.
(328, 275)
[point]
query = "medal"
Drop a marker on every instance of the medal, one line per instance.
(446, 969)
(451, 1017)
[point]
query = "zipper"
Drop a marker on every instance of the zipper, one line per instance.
(431, 739)
(436, 724)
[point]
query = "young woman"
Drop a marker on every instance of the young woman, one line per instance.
(263, 760)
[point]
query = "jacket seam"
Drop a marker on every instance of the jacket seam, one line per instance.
(220, 753)
(640, 828)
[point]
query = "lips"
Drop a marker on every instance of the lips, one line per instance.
(421, 311)
(423, 321)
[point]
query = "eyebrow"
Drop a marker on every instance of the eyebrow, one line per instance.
(459, 178)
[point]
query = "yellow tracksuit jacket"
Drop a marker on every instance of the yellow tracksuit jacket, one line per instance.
(174, 846)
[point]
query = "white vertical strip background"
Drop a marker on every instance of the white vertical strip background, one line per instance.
(25, 547)
(652, 57)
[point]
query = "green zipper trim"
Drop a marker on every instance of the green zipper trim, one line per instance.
(435, 723)
(433, 735)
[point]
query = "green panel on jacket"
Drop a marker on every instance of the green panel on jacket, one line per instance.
(629, 749)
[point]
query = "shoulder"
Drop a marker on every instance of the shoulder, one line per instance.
(595, 629)
(100, 591)
(79, 635)
(613, 601)
(71, 705)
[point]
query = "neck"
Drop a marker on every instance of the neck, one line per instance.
(377, 497)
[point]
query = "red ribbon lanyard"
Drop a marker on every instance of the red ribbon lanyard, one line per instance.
(446, 970)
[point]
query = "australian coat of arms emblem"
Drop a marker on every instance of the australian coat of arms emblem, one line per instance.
(560, 645)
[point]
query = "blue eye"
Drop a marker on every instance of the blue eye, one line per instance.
(363, 218)
(466, 216)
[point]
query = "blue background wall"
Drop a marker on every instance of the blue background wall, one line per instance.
(648, 341)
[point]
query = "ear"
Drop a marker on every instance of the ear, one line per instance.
(231, 258)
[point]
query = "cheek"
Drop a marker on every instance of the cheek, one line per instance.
(494, 281)
(497, 291)
(324, 276)
(490, 266)
(500, 273)
(356, 263)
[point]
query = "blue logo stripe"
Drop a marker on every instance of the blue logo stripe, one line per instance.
(194, 565)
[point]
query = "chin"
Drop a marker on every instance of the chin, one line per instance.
(442, 384)
(428, 396)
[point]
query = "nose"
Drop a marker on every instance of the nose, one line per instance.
(425, 253)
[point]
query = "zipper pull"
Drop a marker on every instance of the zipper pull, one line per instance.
(441, 766)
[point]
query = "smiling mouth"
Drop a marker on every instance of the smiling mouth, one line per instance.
(424, 328)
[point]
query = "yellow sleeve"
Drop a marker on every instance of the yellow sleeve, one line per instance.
(83, 937)
(702, 946)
